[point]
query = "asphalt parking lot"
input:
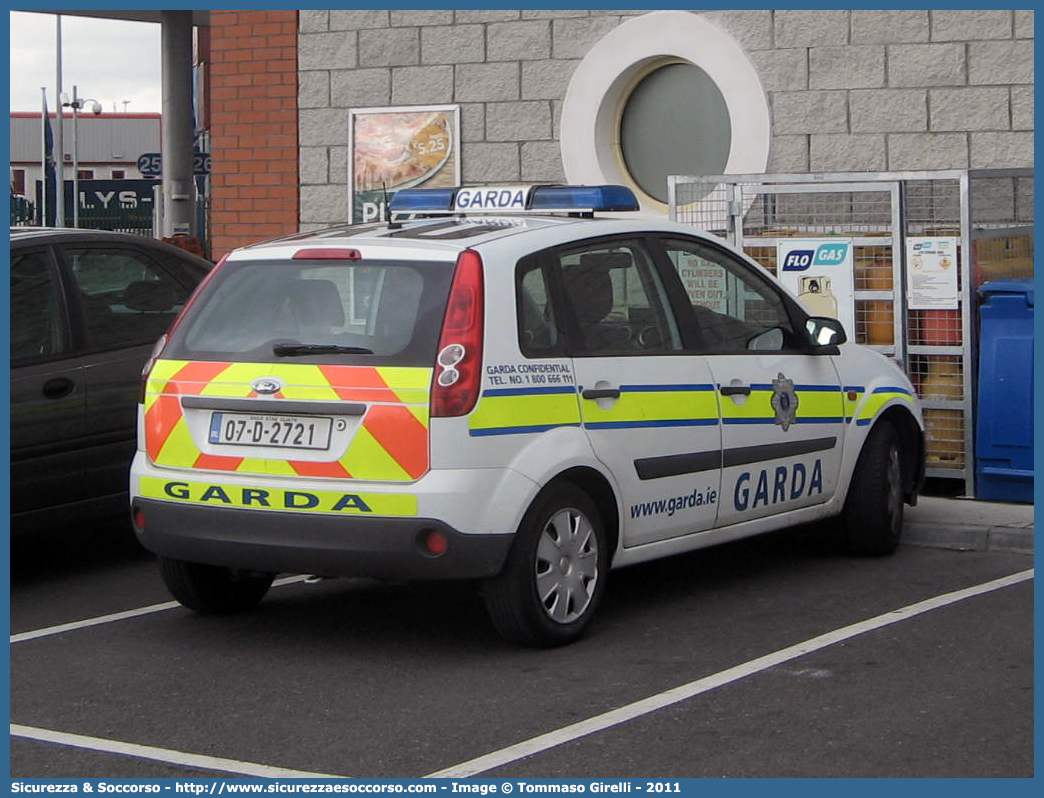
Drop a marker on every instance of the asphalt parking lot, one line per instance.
(788, 659)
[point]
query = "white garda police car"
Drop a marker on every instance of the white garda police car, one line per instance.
(508, 389)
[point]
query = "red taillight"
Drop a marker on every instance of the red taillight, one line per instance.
(458, 376)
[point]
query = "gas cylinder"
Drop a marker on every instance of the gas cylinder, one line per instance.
(944, 428)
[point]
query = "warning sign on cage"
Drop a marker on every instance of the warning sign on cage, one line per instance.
(931, 274)
(820, 272)
(704, 281)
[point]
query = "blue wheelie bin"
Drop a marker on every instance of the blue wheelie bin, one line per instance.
(1004, 427)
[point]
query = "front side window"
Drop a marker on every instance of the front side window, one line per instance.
(736, 309)
(617, 302)
(126, 297)
(39, 328)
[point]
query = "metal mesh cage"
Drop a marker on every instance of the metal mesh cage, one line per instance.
(989, 214)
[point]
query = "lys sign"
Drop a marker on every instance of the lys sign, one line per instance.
(112, 195)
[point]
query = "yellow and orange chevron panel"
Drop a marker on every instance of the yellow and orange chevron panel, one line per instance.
(391, 444)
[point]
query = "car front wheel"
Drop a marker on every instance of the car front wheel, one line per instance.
(872, 521)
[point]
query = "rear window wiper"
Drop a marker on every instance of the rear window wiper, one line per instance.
(301, 350)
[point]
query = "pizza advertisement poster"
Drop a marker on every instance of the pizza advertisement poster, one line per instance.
(396, 148)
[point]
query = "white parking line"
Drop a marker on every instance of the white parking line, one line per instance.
(676, 695)
(98, 621)
(36, 634)
(167, 755)
(526, 748)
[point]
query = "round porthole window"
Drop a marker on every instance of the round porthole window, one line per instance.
(666, 93)
(674, 121)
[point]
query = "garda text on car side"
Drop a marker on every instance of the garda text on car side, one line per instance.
(503, 384)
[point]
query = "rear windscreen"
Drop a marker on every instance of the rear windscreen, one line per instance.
(385, 313)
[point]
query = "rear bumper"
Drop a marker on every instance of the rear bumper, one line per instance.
(326, 545)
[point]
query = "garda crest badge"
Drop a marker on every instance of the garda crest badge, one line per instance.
(784, 401)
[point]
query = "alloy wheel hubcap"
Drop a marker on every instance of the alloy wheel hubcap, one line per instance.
(567, 566)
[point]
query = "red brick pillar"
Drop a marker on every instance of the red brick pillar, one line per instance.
(253, 127)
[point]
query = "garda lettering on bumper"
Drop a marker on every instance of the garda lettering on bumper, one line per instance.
(298, 501)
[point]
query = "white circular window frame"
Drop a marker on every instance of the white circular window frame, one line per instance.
(603, 81)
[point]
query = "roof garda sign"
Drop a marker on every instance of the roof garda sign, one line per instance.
(499, 199)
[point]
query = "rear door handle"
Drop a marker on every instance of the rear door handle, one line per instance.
(58, 387)
(735, 390)
(601, 393)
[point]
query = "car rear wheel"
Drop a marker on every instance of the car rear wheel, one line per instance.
(872, 521)
(555, 574)
(211, 589)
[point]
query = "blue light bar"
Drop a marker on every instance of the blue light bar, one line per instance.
(579, 198)
(514, 199)
(419, 200)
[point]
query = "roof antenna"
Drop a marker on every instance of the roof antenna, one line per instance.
(387, 208)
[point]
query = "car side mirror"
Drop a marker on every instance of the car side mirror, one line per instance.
(825, 334)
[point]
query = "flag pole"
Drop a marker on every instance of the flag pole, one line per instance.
(59, 195)
(43, 160)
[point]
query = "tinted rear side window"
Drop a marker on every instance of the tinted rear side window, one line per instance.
(127, 298)
(387, 312)
(38, 324)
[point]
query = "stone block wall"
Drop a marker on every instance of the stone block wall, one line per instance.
(849, 90)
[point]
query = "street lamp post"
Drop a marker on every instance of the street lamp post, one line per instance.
(77, 103)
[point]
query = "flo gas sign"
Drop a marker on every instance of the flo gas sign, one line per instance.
(799, 260)
(820, 273)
